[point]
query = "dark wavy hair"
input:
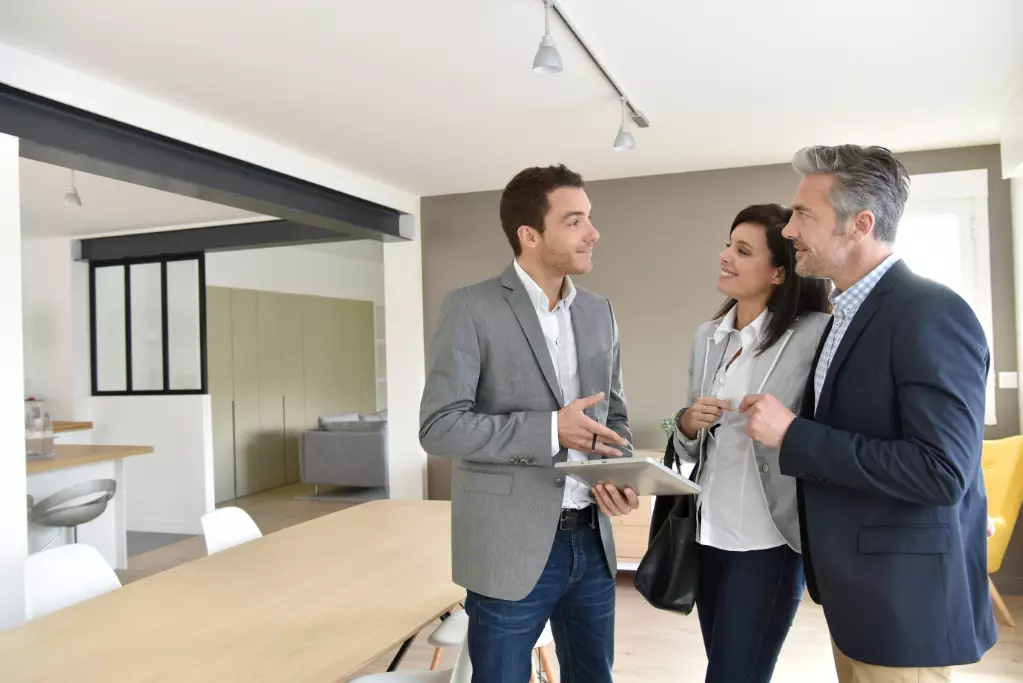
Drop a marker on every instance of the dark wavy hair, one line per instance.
(796, 295)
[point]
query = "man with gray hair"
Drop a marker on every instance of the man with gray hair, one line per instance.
(887, 448)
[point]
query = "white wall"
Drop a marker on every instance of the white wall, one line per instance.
(13, 505)
(406, 364)
(170, 489)
(55, 313)
(297, 270)
(1012, 137)
(1016, 190)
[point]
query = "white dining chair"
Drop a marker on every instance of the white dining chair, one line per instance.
(227, 527)
(461, 673)
(452, 631)
(68, 574)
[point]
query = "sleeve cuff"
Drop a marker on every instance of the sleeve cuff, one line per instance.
(686, 442)
(555, 446)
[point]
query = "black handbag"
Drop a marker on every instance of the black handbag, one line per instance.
(667, 575)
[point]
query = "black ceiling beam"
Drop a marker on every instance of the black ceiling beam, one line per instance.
(59, 134)
(214, 238)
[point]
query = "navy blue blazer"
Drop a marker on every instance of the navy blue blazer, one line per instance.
(891, 497)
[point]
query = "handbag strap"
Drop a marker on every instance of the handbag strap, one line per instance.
(671, 460)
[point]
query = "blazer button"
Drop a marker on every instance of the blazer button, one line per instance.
(530, 461)
(764, 468)
(559, 483)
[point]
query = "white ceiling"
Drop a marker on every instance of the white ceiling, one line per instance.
(111, 207)
(438, 96)
(107, 205)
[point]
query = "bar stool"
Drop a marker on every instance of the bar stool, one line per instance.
(74, 505)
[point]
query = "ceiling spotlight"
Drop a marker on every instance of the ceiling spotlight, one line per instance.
(547, 59)
(72, 198)
(624, 140)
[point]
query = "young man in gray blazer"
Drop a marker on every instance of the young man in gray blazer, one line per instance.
(524, 372)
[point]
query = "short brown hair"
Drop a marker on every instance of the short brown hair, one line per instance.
(524, 200)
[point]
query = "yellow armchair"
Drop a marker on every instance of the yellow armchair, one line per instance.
(1003, 480)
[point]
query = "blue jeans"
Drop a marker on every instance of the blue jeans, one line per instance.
(575, 592)
(746, 602)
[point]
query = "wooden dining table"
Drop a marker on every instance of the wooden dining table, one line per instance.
(316, 602)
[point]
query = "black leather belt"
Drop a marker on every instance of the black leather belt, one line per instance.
(578, 519)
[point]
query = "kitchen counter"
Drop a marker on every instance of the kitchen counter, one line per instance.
(73, 464)
(65, 426)
(74, 456)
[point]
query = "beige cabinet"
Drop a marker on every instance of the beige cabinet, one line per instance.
(276, 363)
(220, 364)
(244, 314)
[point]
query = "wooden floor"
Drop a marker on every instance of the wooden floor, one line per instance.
(651, 646)
(272, 511)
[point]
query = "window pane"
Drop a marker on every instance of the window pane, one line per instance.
(183, 324)
(931, 246)
(146, 328)
(111, 361)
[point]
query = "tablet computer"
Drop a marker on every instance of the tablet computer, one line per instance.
(645, 476)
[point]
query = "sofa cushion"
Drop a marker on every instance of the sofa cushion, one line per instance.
(330, 422)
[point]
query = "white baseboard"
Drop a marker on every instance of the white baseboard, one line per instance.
(165, 526)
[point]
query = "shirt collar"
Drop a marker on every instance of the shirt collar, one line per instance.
(755, 328)
(536, 293)
(849, 300)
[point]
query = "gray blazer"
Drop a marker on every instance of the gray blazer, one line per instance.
(490, 393)
(782, 370)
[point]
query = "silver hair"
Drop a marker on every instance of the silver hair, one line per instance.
(866, 179)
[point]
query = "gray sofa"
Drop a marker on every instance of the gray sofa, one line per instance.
(346, 450)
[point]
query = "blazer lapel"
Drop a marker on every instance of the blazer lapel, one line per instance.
(524, 312)
(587, 344)
(859, 323)
(809, 398)
(766, 361)
(711, 363)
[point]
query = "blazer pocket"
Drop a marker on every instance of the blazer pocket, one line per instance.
(907, 540)
(486, 482)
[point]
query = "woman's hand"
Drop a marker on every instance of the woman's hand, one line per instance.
(704, 412)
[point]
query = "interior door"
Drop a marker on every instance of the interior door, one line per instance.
(272, 350)
(295, 419)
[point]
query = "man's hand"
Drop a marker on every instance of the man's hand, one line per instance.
(767, 419)
(612, 502)
(576, 430)
(704, 412)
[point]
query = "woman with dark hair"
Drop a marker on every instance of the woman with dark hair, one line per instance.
(763, 339)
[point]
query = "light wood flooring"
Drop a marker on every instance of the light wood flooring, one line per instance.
(651, 646)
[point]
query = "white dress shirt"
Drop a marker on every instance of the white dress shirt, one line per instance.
(734, 514)
(560, 338)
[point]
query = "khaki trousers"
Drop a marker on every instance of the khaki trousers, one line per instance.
(851, 671)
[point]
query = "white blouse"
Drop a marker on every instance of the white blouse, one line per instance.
(733, 509)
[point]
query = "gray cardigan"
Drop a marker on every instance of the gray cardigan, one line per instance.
(782, 370)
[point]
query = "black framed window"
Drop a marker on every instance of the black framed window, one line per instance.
(147, 319)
